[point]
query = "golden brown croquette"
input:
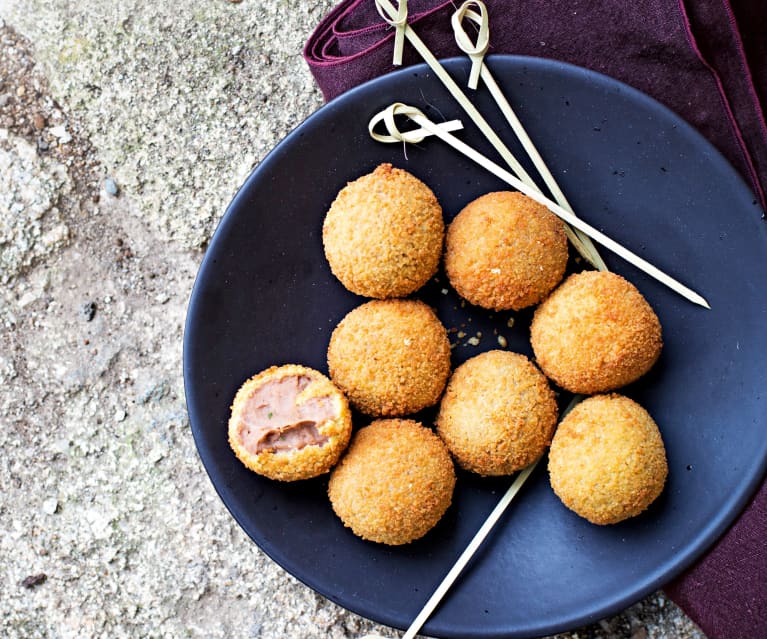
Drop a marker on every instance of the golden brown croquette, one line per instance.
(607, 461)
(595, 333)
(394, 483)
(498, 413)
(289, 422)
(390, 357)
(505, 251)
(383, 234)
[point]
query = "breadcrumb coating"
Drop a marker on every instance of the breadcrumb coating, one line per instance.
(498, 413)
(301, 463)
(607, 461)
(595, 333)
(383, 234)
(505, 251)
(394, 483)
(390, 357)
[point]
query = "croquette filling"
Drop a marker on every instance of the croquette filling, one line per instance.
(273, 419)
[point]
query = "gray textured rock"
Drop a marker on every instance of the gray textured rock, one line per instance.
(109, 526)
(180, 101)
(31, 226)
(110, 186)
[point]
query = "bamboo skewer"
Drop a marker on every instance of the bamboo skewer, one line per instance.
(581, 236)
(391, 15)
(476, 52)
(466, 555)
(397, 17)
(475, 543)
(417, 116)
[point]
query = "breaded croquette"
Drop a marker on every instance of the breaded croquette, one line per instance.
(394, 483)
(607, 461)
(595, 333)
(383, 234)
(390, 357)
(505, 251)
(289, 422)
(498, 413)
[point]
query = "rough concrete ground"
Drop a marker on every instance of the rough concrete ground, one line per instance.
(125, 128)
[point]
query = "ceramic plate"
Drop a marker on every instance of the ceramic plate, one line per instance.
(265, 295)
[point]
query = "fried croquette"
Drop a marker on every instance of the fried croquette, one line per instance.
(394, 483)
(289, 422)
(383, 234)
(607, 461)
(390, 357)
(498, 413)
(505, 251)
(595, 333)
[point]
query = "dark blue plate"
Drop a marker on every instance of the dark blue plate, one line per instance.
(264, 295)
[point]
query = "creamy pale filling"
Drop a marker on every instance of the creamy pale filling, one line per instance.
(272, 420)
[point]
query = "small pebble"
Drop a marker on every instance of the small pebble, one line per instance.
(61, 133)
(88, 311)
(4, 99)
(51, 506)
(38, 121)
(61, 445)
(21, 90)
(502, 342)
(110, 186)
(155, 455)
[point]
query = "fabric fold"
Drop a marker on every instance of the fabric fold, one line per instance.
(726, 592)
(694, 61)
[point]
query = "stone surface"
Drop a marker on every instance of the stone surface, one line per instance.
(180, 101)
(31, 227)
(109, 526)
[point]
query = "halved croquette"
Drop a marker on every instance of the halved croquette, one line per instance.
(289, 422)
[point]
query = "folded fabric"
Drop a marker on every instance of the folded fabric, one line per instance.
(726, 592)
(706, 60)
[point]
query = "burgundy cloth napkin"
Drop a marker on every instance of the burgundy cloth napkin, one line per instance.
(706, 60)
